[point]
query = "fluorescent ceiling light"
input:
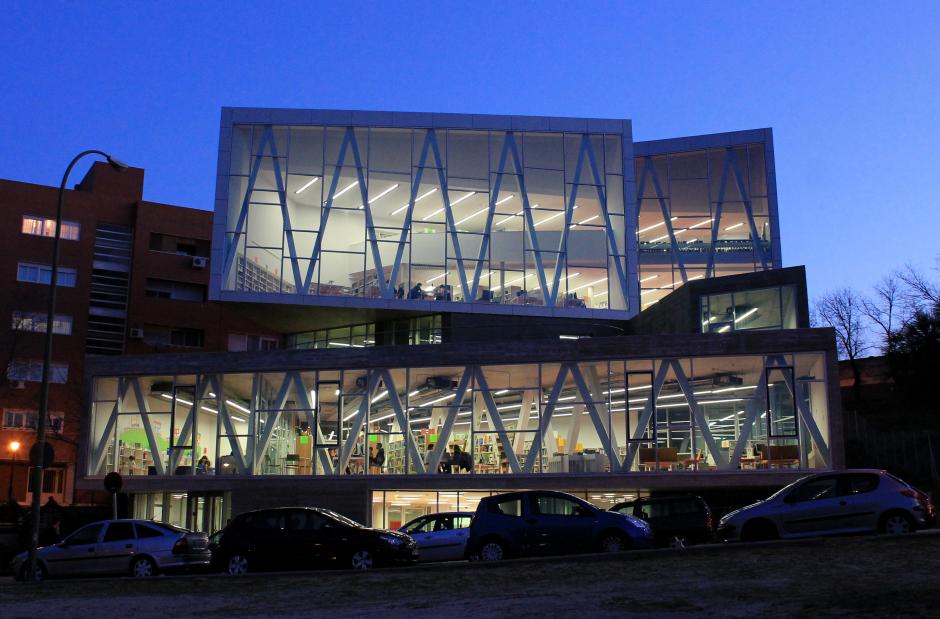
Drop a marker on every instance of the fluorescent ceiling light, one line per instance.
(499, 223)
(509, 197)
(733, 227)
(452, 205)
(568, 337)
(648, 228)
(724, 328)
(390, 189)
(237, 406)
(482, 210)
(593, 217)
(418, 199)
(501, 392)
(348, 187)
(745, 315)
(587, 285)
(515, 281)
(646, 279)
(550, 217)
(436, 277)
(701, 223)
(379, 397)
(307, 184)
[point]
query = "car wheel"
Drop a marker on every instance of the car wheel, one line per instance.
(758, 531)
(897, 523)
(39, 573)
(361, 560)
(612, 542)
(677, 541)
(237, 565)
(143, 567)
(492, 551)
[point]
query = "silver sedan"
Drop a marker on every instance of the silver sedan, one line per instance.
(851, 501)
(440, 537)
(139, 548)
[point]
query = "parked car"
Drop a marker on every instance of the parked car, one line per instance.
(440, 537)
(849, 501)
(139, 548)
(677, 521)
(302, 538)
(542, 522)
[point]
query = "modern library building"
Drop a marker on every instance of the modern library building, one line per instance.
(468, 304)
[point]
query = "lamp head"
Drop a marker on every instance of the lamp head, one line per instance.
(14, 446)
(117, 164)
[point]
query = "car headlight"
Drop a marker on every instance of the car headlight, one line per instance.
(391, 540)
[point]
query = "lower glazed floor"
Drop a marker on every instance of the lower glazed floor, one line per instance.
(206, 504)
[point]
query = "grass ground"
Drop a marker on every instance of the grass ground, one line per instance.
(858, 577)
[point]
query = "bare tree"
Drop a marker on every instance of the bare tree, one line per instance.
(921, 291)
(843, 311)
(883, 308)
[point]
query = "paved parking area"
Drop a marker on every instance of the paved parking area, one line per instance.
(857, 576)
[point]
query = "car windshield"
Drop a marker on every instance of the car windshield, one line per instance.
(342, 518)
(785, 489)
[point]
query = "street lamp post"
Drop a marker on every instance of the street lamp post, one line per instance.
(47, 356)
(14, 447)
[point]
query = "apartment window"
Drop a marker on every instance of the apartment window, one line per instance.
(31, 370)
(43, 226)
(241, 342)
(53, 481)
(182, 246)
(36, 321)
(42, 274)
(172, 336)
(178, 291)
(21, 419)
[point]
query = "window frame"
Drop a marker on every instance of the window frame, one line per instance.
(43, 223)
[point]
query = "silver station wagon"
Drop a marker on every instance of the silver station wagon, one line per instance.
(139, 548)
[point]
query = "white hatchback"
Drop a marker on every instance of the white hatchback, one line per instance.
(851, 501)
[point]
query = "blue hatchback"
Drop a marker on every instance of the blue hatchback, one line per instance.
(545, 522)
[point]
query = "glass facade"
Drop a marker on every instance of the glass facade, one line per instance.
(605, 416)
(445, 215)
(404, 332)
(766, 308)
(701, 213)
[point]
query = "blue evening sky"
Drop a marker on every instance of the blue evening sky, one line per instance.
(851, 89)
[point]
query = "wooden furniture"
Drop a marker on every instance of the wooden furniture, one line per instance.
(668, 458)
(780, 455)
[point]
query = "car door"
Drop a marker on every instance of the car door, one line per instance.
(314, 539)
(117, 547)
(815, 507)
(460, 534)
(267, 540)
(449, 538)
(562, 525)
(423, 533)
(862, 501)
(76, 554)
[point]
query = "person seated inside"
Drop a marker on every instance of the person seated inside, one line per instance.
(415, 293)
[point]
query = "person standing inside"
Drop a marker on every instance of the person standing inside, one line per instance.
(379, 457)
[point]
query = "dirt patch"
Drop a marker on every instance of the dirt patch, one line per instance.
(858, 577)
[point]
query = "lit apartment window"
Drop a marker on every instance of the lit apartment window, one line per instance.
(36, 321)
(21, 419)
(31, 370)
(178, 291)
(43, 226)
(42, 274)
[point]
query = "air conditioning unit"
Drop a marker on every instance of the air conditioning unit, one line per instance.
(18, 384)
(200, 262)
(137, 333)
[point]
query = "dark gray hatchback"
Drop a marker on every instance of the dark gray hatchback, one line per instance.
(677, 521)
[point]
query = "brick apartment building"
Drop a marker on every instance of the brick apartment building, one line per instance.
(133, 279)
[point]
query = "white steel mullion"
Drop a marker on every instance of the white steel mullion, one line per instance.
(497, 420)
(144, 411)
(231, 246)
(402, 418)
(435, 461)
(644, 419)
(235, 448)
(325, 212)
(359, 420)
(313, 421)
(666, 218)
(698, 415)
(748, 209)
(546, 419)
(101, 450)
(270, 423)
(599, 426)
(807, 416)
